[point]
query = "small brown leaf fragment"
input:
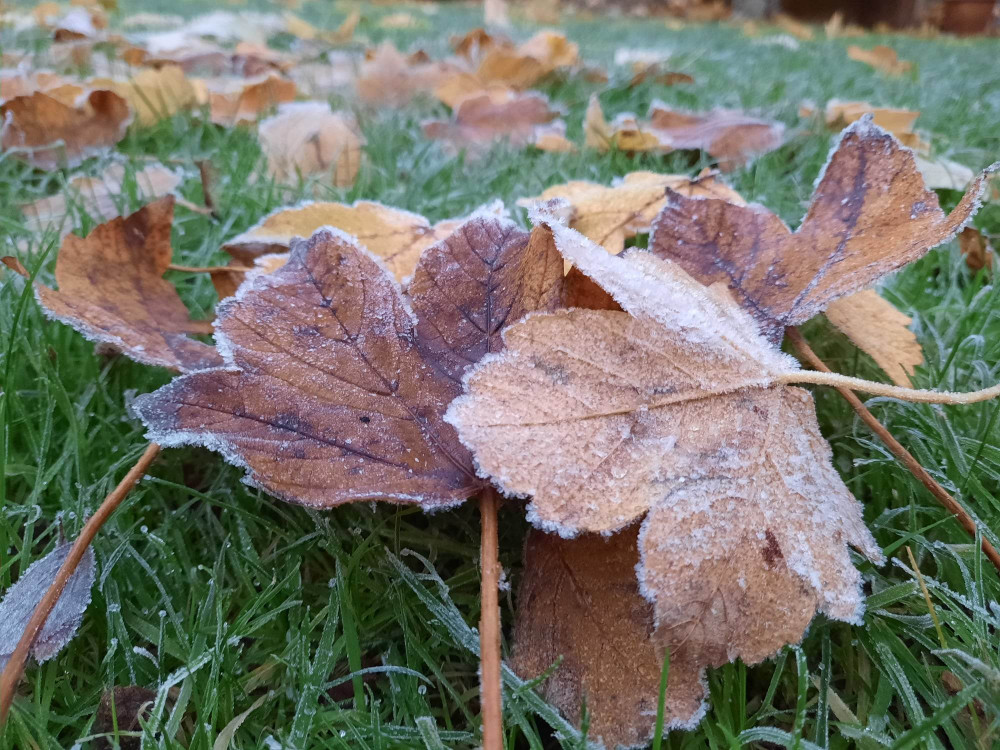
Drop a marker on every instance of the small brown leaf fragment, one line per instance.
(880, 331)
(112, 290)
(335, 385)
(653, 72)
(19, 602)
(49, 134)
(15, 265)
(308, 138)
(240, 101)
(479, 120)
(881, 57)
(870, 215)
(397, 237)
(672, 411)
(123, 707)
(611, 215)
(977, 251)
(552, 137)
(579, 601)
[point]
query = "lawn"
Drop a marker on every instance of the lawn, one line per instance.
(355, 626)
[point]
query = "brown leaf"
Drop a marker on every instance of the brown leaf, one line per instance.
(389, 77)
(481, 120)
(674, 410)
(98, 197)
(15, 83)
(643, 71)
(880, 331)
(155, 95)
(232, 102)
(335, 384)
(611, 215)
(579, 601)
(899, 122)
(977, 251)
(881, 57)
(552, 137)
(307, 138)
(461, 85)
(397, 237)
(870, 215)
(111, 290)
(49, 134)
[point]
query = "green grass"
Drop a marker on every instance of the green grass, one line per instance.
(356, 622)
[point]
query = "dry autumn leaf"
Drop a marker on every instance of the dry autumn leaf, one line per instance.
(676, 411)
(977, 251)
(99, 197)
(579, 601)
(112, 290)
(49, 134)
(308, 138)
(155, 95)
(335, 384)
(235, 101)
(881, 57)
(611, 215)
(899, 122)
(396, 236)
(481, 120)
(552, 137)
(870, 215)
(387, 76)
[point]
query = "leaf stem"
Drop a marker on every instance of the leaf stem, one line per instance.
(826, 377)
(15, 667)
(897, 449)
(490, 696)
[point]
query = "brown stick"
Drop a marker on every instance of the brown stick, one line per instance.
(905, 457)
(206, 190)
(490, 696)
(15, 667)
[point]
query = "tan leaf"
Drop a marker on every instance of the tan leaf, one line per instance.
(870, 215)
(232, 102)
(579, 601)
(387, 76)
(397, 237)
(899, 122)
(480, 120)
(880, 331)
(611, 215)
(155, 95)
(24, 83)
(98, 197)
(977, 251)
(306, 138)
(881, 57)
(940, 173)
(49, 134)
(675, 411)
(302, 29)
(552, 137)
(335, 383)
(653, 72)
(552, 49)
(112, 290)
(461, 85)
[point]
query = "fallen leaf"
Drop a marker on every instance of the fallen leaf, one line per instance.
(977, 251)
(881, 57)
(307, 138)
(899, 122)
(797, 29)
(481, 120)
(123, 708)
(552, 137)
(870, 215)
(880, 331)
(49, 134)
(674, 410)
(552, 49)
(611, 215)
(397, 237)
(940, 173)
(579, 601)
(19, 604)
(387, 76)
(112, 290)
(227, 282)
(100, 197)
(459, 86)
(235, 101)
(302, 29)
(155, 95)
(335, 383)
(15, 83)
(643, 72)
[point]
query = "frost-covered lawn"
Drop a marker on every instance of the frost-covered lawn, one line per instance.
(215, 593)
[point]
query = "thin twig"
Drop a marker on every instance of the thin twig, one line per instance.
(15, 667)
(208, 269)
(490, 696)
(206, 189)
(913, 395)
(905, 457)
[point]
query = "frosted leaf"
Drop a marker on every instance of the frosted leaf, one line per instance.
(19, 604)
(335, 383)
(669, 412)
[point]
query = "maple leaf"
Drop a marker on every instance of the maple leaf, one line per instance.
(306, 138)
(387, 76)
(112, 290)
(676, 411)
(869, 216)
(49, 134)
(154, 95)
(611, 215)
(335, 384)
(578, 602)
(235, 101)
(881, 57)
(479, 120)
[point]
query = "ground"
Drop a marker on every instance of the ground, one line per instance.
(358, 620)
